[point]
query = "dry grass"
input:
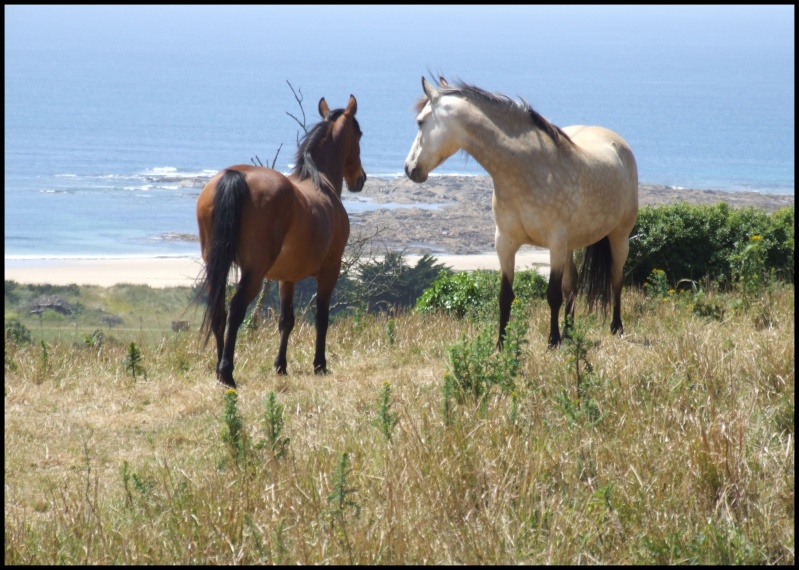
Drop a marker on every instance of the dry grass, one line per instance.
(690, 460)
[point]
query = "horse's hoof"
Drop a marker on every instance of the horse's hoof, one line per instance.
(281, 371)
(320, 370)
(226, 382)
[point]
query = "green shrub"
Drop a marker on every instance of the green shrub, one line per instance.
(371, 285)
(388, 284)
(657, 284)
(779, 233)
(273, 422)
(459, 293)
(475, 294)
(94, 340)
(133, 360)
(697, 241)
(386, 420)
(233, 433)
(476, 365)
(17, 333)
(749, 267)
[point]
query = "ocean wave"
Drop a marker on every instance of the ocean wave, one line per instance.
(99, 257)
(176, 236)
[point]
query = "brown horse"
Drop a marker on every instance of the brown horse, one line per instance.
(279, 227)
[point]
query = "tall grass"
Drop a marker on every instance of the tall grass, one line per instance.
(687, 455)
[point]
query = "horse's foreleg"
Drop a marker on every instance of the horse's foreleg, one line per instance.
(569, 288)
(245, 293)
(555, 300)
(285, 324)
(506, 297)
(506, 251)
(324, 291)
(557, 264)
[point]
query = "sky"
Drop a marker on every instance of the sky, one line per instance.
(236, 26)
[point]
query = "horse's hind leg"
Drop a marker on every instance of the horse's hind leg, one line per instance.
(619, 248)
(248, 288)
(285, 324)
(218, 327)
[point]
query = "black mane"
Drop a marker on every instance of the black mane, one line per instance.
(304, 165)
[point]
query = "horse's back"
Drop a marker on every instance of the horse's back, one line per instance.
(264, 184)
(603, 144)
(609, 157)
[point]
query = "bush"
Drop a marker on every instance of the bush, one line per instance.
(475, 294)
(17, 333)
(373, 285)
(698, 241)
(476, 365)
(389, 284)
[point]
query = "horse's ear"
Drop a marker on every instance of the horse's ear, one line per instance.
(429, 90)
(442, 81)
(352, 106)
(323, 108)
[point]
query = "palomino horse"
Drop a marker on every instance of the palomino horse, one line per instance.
(279, 227)
(561, 189)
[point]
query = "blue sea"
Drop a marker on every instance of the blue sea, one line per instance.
(109, 109)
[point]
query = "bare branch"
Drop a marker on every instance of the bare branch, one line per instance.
(274, 160)
(299, 99)
(356, 251)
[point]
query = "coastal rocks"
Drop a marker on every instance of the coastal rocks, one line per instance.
(658, 195)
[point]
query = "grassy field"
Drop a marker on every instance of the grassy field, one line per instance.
(677, 448)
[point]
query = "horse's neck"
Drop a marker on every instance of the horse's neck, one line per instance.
(331, 168)
(496, 142)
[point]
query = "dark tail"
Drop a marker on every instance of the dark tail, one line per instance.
(230, 191)
(595, 275)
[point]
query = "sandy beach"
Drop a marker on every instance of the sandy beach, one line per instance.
(448, 217)
(183, 271)
(155, 272)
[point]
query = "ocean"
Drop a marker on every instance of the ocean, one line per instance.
(110, 109)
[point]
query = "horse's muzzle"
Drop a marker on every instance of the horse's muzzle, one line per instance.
(357, 186)
(416, 174)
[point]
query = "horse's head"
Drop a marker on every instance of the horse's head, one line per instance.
(347, 133)
(434, 142)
